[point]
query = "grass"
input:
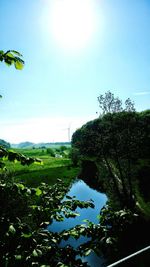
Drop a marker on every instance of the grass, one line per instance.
(48, 172)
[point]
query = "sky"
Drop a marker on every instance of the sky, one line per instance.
(74, 50)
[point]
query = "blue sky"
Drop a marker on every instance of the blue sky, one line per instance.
(73, 51)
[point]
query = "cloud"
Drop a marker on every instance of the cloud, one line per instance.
(142, 93)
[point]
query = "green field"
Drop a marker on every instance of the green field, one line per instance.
(48, 172)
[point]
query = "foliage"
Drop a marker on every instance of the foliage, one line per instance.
(74, 155)
(25, 214)
(50, 152)
(47, 171)
(63, 148)
(12, 57)
(4, 143)
(118, 140)
(110, 104)
(14, 156)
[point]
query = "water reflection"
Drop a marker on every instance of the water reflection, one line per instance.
(84, 193)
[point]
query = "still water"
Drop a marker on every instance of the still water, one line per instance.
(83, 192)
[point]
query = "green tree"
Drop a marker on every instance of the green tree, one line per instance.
(50, 152)
(63, 148)
(118, 140)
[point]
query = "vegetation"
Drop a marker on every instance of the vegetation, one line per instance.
(25, 213)
(117, 143)
(115, 148)
(4, 143)
(12, 57)
(120, 142)
(47, 168)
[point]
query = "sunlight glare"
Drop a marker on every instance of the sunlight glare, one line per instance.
(72, 23)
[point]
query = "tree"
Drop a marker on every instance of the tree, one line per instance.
(50, 152)
(118, 140)
(110, 104)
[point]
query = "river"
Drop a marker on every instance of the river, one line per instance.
(83, 192)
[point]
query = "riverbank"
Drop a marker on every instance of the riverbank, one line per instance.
(48, 171)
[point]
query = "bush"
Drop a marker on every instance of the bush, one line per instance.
(50, 152)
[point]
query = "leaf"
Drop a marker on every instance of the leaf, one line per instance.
(60, 264)
(16, 53)
(37, 253)
(8, 62)
(19, 65)
(54, 240)
(26, 235)
(68, 197)
(12, 229)
(38, 191)
(87, 252)
(86, 220)
(34, 253)
(91, 205)
(18, 257)
(10, 55)
(20, 186)
(34, 207)
(109, 240)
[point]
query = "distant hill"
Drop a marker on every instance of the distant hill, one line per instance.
(25, 144)
(39, 145)
(4, 143)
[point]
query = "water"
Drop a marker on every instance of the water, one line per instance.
(84, 193)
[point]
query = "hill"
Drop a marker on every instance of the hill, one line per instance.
(28, 144)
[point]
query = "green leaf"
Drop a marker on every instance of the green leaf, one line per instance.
(19, 65)
(12, 229)
(26, 235)
(38, 191)
(10, 55)
(37, 253)
(16, 53)
(34, 253)
(61, 264)
(68, 197)
(20, 186)
(34, 207)
(54, 240)
(18, 257)
(87, 252)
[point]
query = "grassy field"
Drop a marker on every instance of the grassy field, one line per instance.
(47, 172)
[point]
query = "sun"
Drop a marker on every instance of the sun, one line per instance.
(72, 23)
